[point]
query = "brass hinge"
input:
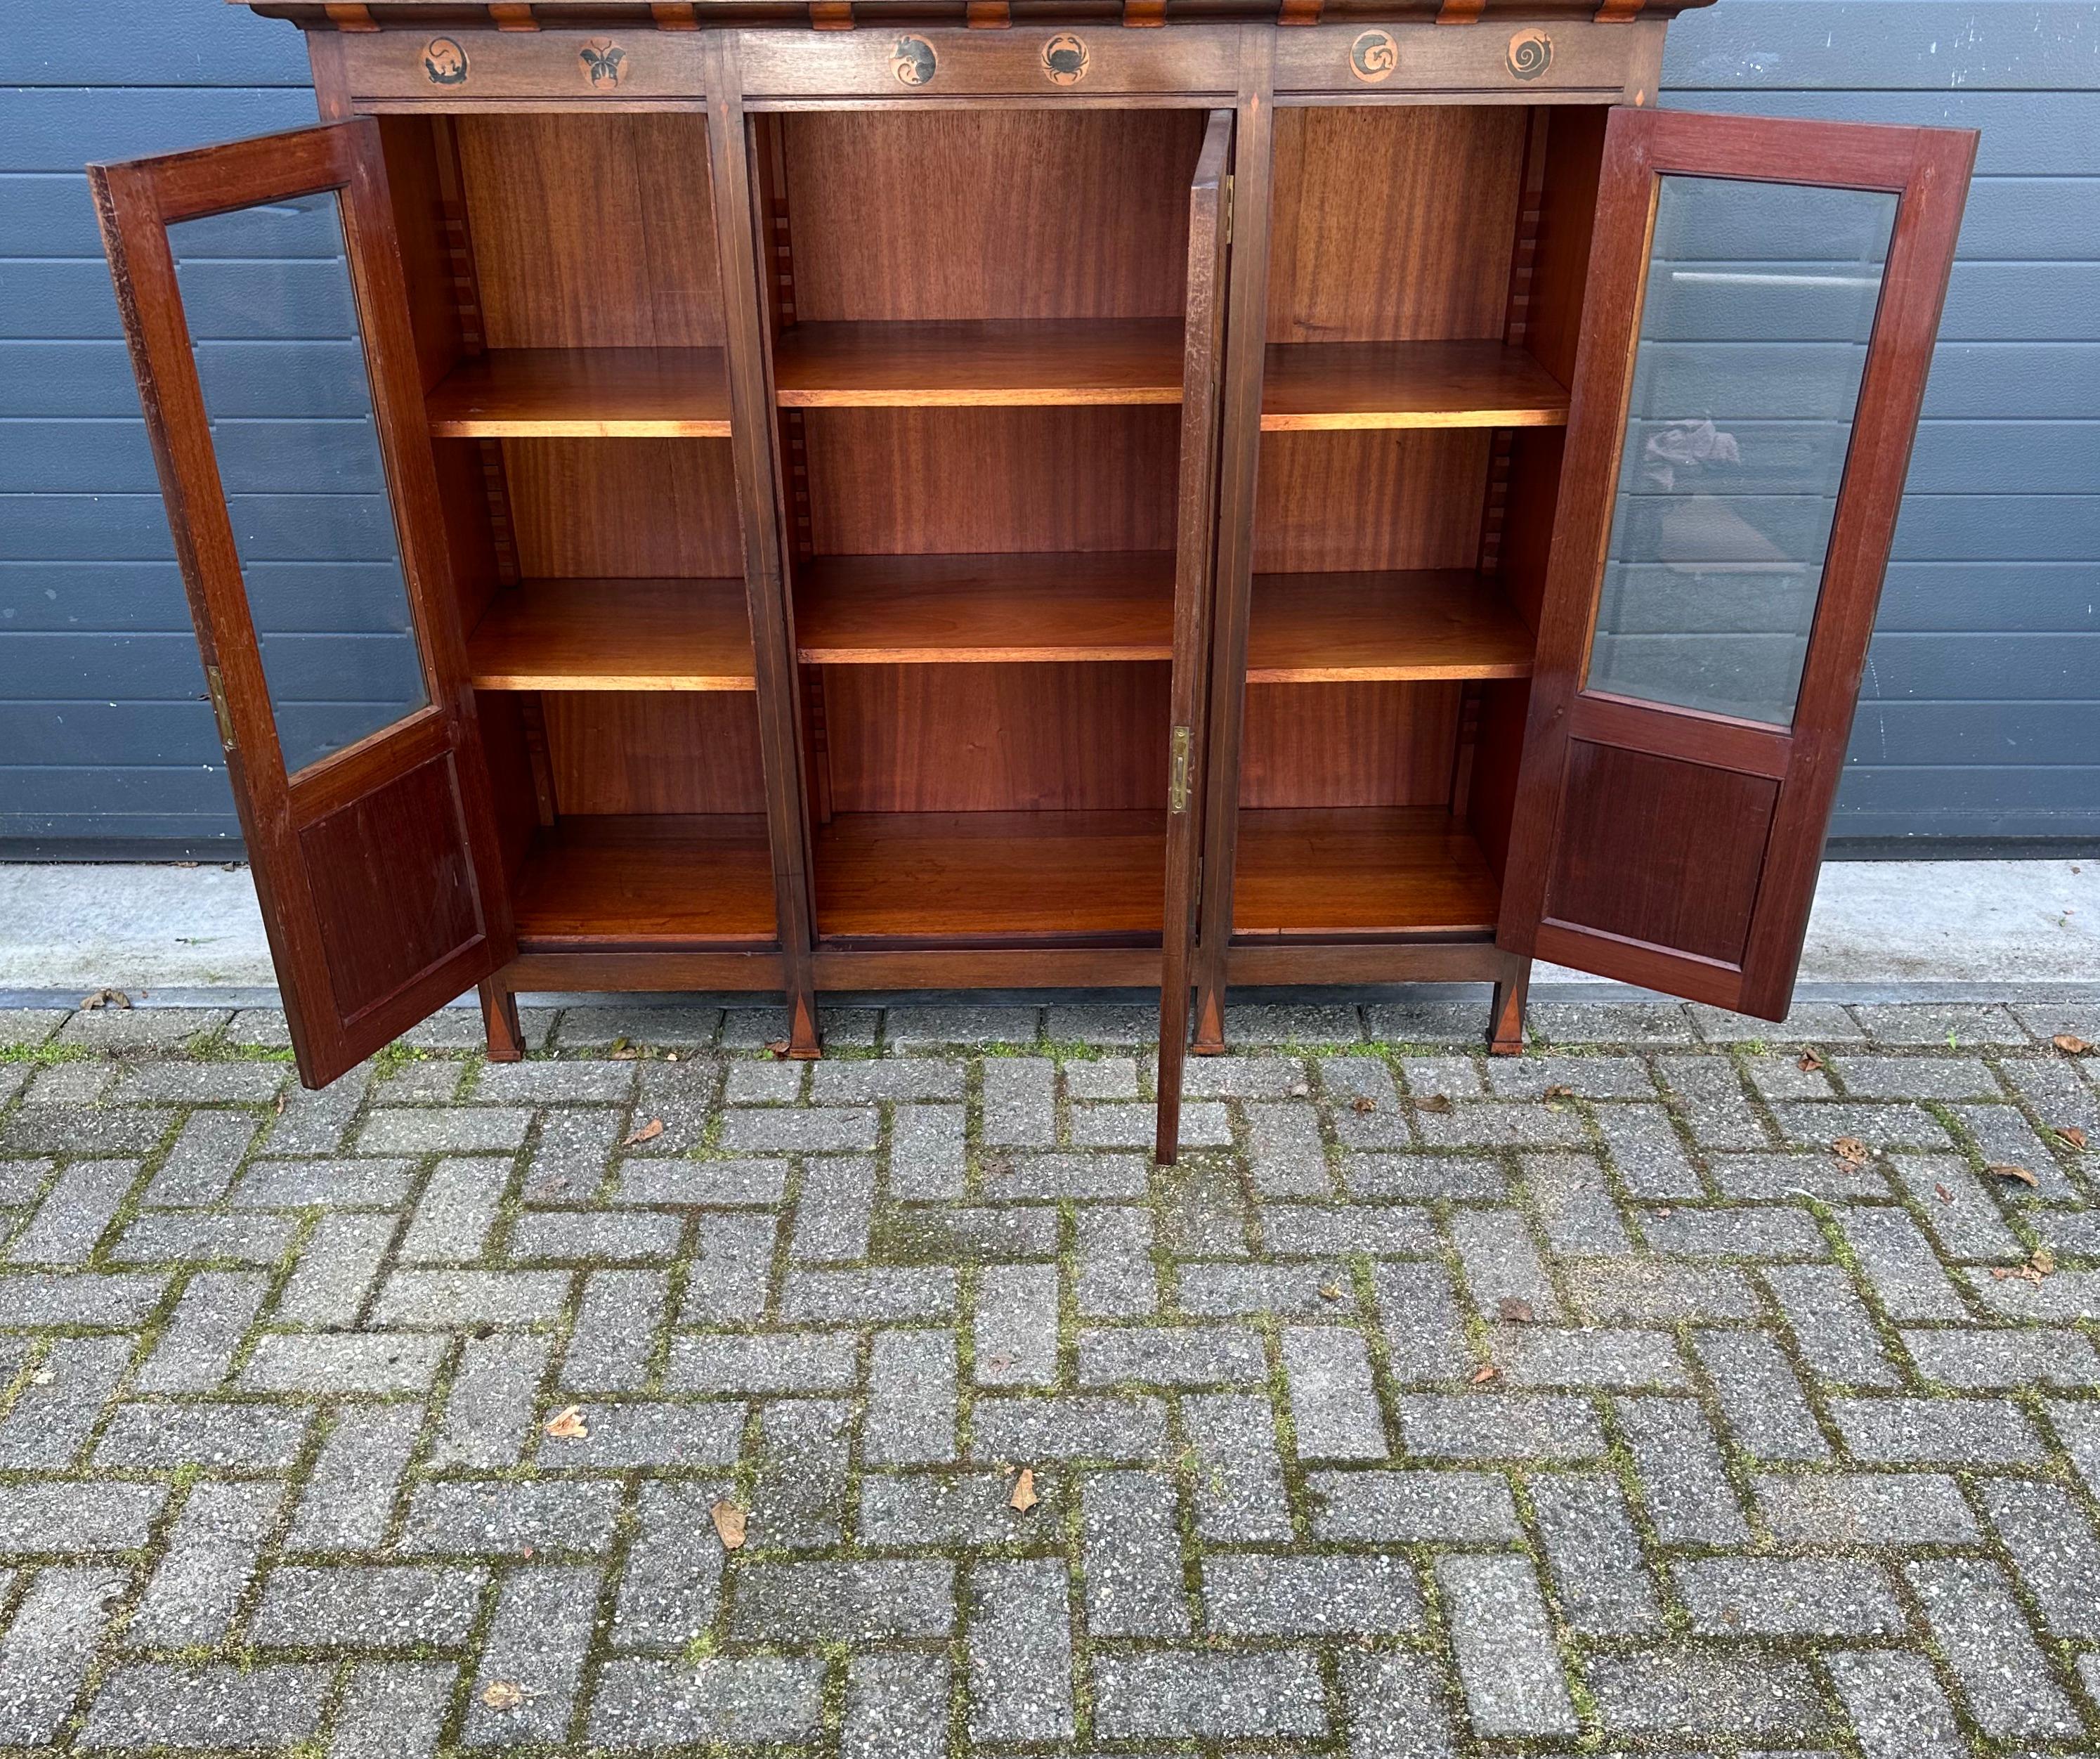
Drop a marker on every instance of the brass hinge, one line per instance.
(1177, 775)
(1229, 211)
(217, 686)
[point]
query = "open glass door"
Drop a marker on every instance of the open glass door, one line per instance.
(1762, 302)
(1203, 339)
(263, 293)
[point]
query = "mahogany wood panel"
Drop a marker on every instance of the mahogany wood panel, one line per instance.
(1657, 849)
(556, 393)
(1432, 63)
(653, 752)
(684, 878)
(990, 214)
(1498, 754)
(994, 875)
(949, 609)
(1337, 503)
(1024, 480)
(394, 884)
(646, 508)
(535, 70)
(999, 361)
(997, 738)
(422, 231)
(1311, 628)
(1392, 223)
(1359, 871)
(615, 634)
(661, 967)
(1347, 745)
(507, 746)
(1114, 61)
(592, 231)
(1567, 217)
(1407, 384)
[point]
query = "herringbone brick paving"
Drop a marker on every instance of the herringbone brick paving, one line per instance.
(1589, 1401)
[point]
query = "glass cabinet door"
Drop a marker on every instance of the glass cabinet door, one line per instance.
(1759, 315)
(262, 294)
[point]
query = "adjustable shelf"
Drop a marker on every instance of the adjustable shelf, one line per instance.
(935, 610)
(614, 634)
(1351, 871)
(978, 362)
(1334, 385)
(589, 393)
(1396, 624)
(678, 879)
(990, 876)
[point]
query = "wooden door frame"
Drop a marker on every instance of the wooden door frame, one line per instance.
(136, 203)
(1927, 169)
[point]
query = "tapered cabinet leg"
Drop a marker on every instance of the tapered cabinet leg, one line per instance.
(1506, 1031)
(803, 1044)
(499, 1016)
(1210, 1038)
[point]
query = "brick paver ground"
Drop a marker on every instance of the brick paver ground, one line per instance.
(1586, 1402)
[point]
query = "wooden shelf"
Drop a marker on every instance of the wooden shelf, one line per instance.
(649, 880)
(930, 610)
(614, 634)
(591, 393)
(1003, 362)
(1328, 385)
(991, 877)
(1327, 872)
(1425, 624)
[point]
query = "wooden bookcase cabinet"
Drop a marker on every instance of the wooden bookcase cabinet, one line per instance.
(1058, 505)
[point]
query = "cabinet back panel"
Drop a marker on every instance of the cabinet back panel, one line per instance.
(1376, 745)
(996, 738)
(623, 507)
(664, 751)
(920, 482)
(1377, 498)
(1393, 224)
(592, 231)
(991, 214)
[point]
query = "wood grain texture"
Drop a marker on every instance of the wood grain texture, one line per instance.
(997, 738)
(1407, 384)
(1025, 480)
(645, 508)
(1359, 871)
(1347, 745)
(990, 214)
(669, 880)
(613, 752)
(1337, 503)
(615, 634)
(592, 231)
(997, 876)
(557, 393)
(948, 609)
(1392, 222)
(999, 361)
(1320, 628)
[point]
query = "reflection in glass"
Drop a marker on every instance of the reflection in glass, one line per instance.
(1760, 302)
(273, 321)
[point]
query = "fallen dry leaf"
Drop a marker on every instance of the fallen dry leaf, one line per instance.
(1363, 1102)
(1331, 1291)
(1559, 1090)
(2006, 1169)
(1942, 1194)
(648, 1132)
(106, 998)
(1434, 1103)
(729, 1521)
(2072, 1045)
(777, 1049)
(1808, 1062)
(2072, 1135)
(568, 1425)
(1514, 1310)
(1024, 1497)
(1482, 1376)
(1664, 1211)
(500, 1695)
(1852, 1150)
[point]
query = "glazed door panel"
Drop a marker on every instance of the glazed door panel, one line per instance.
(1761, 305)
(1203, 350)
(263, 293)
